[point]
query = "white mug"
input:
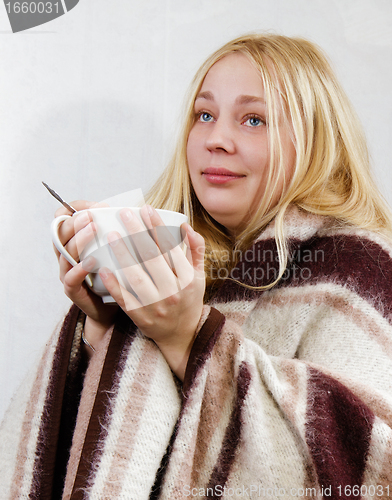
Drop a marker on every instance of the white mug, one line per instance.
(108, 219)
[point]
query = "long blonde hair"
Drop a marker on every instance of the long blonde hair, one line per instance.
(332, 173)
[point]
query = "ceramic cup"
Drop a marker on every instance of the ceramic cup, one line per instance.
(108, 219)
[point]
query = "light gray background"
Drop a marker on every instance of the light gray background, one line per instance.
(89, 104)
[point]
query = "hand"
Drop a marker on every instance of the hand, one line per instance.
(74, 234)
(168, 289)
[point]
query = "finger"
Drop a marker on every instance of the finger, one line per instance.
(139, 281)
(120, 250)
(160, 267)
(64, 267)
(196, 245)
(139, 238)
(74, 278)
(162, 235)
(77, 244)
(174, 254)
(194, 258)
(75, 287)
(99, 204)
(131, 222)
(159, 234)
(163, 276)
(157, 229)
(143, 240)
(124, 299)
(70, 226)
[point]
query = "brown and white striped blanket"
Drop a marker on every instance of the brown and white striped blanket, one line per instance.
(287, 392)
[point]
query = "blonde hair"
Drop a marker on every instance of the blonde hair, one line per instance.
(331, 174)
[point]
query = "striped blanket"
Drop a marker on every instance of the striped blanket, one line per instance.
(287, 392)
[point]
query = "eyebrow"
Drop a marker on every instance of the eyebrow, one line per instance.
(242, 99)
(248, 99)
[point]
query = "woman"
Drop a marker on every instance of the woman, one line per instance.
(268, 374)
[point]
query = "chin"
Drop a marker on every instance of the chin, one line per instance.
(225, 220)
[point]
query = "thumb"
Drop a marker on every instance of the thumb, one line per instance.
(76, 275)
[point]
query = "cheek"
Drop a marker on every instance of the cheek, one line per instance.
(258, 160)
(192, 151)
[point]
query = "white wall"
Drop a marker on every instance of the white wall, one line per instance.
(88, 104)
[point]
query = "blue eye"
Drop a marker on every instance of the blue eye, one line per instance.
(205, 117)
(254, 121)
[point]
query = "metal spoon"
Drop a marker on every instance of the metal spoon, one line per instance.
(58, 198)
(72, 210)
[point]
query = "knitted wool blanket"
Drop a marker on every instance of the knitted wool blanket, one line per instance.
(287, 392)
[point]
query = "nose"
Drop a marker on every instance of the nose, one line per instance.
(221, 137)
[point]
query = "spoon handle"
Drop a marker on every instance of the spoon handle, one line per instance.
(58, 198)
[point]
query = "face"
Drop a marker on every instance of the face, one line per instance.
(227, 150)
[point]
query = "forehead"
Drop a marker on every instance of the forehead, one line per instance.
(233, 74)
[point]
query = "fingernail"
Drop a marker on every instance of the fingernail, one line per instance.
(126, 215)
(150, 210)
(113, 239)
(88, 263)
(190, 229)
(83, 218)
(89, 228)
(104, 273)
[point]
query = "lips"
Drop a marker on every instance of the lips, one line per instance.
(220, 175)
(220, 171)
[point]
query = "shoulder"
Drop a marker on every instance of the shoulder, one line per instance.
(318, 239)
(343, 253)
(321, 253)
(340, 257)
